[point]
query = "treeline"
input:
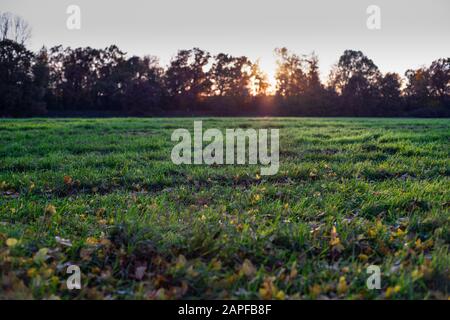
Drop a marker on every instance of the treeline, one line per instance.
(100, 82)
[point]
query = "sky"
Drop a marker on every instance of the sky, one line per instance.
(413, 33)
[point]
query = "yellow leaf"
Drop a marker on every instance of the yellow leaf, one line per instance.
(363, 257)
(256, 197)
(342, 286)
(417, 274)
(50, 209)
(181, 262)
(265, 293)
(315, 290)
(333, 232)
(96, 270)
(372, 232)
(390, 291)
(231, 279)
(334, 242)
(48, 272)
(31, 272)
(280, 295)
(399, 233)
(294, 271)
(91, 241)
(11, 242)
(418, 244)
(216, 264)
(100, 212)
(248, 268)
(268, 289)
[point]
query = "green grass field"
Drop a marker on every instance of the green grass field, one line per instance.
(103, 194)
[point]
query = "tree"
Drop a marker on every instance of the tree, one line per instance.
(439, 80)
(353, 64)
(230, 76)
(143, 88)
(14, 28)
(110, 78)
(41, 78)
(259, 82)
(416, 90)
(86, 78)
(355, 78)
(73, 72)
(314, 86)
(220, 75)
(316, 100)
(186, 79)
(389, 88)
(20, 81)
(290, 77)
(429, 87)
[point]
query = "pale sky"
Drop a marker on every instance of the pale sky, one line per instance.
(413, 33)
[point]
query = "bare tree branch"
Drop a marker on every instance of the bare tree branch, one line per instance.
(14, 27)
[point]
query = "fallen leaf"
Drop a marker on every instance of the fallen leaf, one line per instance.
(50, 209)
(342, 286)
(248, 268)
(181, 262)
(390, 291)
(315, 290)
(91, 241)
(11, 242)
(68, 180)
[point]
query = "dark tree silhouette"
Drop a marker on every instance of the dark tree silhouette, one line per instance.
(89, 81)
(314, 86)
(41, 79)
(429, 88)
(74, 74)
(390, 101)
(355, 79)
(230, 76)
(439, 81)
(187, 79)
(143, 91)
(416, 90)
(21, 84)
